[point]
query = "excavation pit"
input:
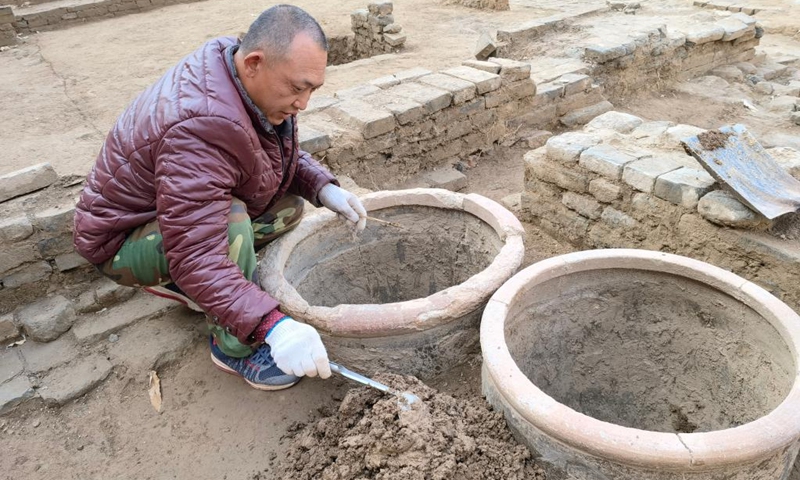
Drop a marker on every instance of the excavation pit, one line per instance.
(406, 295)
(630, 364)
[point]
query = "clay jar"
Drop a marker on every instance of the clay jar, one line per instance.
(632, 364)
(406, 295)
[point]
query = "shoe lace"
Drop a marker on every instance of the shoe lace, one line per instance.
(263, 357)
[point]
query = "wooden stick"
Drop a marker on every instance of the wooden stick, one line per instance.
(386, 222)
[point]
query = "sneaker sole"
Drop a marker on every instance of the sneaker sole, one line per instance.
(268, 388)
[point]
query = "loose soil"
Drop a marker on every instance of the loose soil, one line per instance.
(712, 139)
(377, 436)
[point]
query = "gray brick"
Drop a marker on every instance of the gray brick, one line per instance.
(312, 141)
(642, 174)
(432, 98)
(385, 82)
(462, 90)
(616, 219)
(567, 147)
(10, 364)
(93, 327)
(394, 39)
(448, 178)
(605, 160)
(318, 103)
(54, 246)
(34, 272)
(411, 74)
(47, 319)
(548, 93)
(405, 110)
(109, 293)
(482, 65)
(583, 204)
(555, 173)
(8, 330)
(56, 220)
(485, 46)
(565, 223)
(704, 34)
(15, 229)
(72, 381)
(603, 53)
(14, 393)
(616, 121)
(512, 70)
(370, 121)
(604, 190)
(521, 89)
(356, 92)
(484, 81)
(26, 180)
(70, 261)
(13, 256)
(684, 186)
(574, 83)
(41, 357)
(586, 114)
(734, 28)
(722, 208)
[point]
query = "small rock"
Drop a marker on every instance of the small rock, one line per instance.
(113, 338)
(795, 118)
(764, 88)
(36, 423)
(754, 79)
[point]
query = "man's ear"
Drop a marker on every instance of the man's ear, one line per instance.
(252, 62)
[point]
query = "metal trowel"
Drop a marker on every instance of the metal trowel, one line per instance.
(407, 398)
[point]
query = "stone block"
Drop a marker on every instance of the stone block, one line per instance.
(8, 330)
(47, 319)
(734, 28)
(684, 186)
(482, 65)
(370, 121)
(312, 141)
(616, 219)
(15, 392)
(604, 53)
(722, 208)
(574, 83)
(448, 179)
(674, 135)
(394, 39)
(109, 293)
(26, 180)
(32, 273)
(93, 327)
(567, 147)
(74, 380)
(432, 98)
(616, 121)
(485, 82)
(605, 160)
(15, 229)
(485, 46)
(604, 190)
(586, 114)
(411, 74)
(512, 70)
(642, 174)
(704, 34)
(461, 90)
(356, 92)
(318, 103)
(10, 364)
(56, 220)
(42, 357)
(555, 173)
(583, 204)
(405, 110)
(385, 81)
(69, 261)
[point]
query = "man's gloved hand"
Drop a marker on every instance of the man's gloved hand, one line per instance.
(298, 350)
(345, 204)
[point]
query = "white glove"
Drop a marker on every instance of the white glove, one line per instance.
(298, 350)
(345, 204)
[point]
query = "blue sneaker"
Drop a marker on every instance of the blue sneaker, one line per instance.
(258, 370)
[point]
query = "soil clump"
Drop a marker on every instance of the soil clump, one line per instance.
(374, 436)
(712, 139)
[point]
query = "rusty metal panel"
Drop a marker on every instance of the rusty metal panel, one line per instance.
(736, 159)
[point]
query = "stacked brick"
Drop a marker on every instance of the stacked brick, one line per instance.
(374, 33)
(396, 126)
(622, 182)
(8, 36)
(729, 6)
(483, 4)
(41, 18)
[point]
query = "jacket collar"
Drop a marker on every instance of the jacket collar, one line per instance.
(258, 116)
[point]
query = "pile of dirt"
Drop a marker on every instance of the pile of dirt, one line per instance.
(374, 436)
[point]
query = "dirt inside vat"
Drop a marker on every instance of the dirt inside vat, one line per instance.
(426, 250)
(650, 351)
(372, 437)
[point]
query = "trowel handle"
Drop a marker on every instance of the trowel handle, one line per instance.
(335, 367)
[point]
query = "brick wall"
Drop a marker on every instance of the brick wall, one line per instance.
(374, 33)
(8, 36)
(482, 4)
(622, 182)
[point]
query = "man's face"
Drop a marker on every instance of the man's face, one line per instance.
(282, 87)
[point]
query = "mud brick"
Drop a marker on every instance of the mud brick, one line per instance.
(15, 229)
(75, 380)
(583, 204)
(548, 93)
(555, 173)
(484, 119)
(512, 70)
(15, 392)
(385, 82)
(91, 328)
(318, 103)
(370, 121)
(485, 47)
(56, 220)
(26, 180)
(457, 129)
(604, 190)
(461, 90)
(28, 274)
(701, 35)
(432, 98)
(359, 18)
(47, 319)
(616, 219)
(473, 107)
(41, 357)
(380, 8)
(6, 15)
(497, 98)
(482, 65)
(449, 179)
(484, 81)
(684, 186)
(567, 147)
(605, 160)
(603, 53)
(312, 141)
(642, 174)
(520, 90)
(395, 39)
(616, 121)
(579, 100)
(565, 223)
(357, 91)
(51, 247)
(445, 151)
(12, 256)
(574, 83)
(585, 114)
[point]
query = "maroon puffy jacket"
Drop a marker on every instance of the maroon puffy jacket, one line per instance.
(179, 153)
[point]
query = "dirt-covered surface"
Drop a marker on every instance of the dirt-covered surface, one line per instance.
(378, 436)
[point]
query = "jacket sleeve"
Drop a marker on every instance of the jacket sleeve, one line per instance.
(196, 169)
(310, 176)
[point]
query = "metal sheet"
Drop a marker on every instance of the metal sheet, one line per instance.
(749, 171)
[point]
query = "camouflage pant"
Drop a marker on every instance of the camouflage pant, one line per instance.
(141, 262)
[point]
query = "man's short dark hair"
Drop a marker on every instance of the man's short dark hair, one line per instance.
(275, 29)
